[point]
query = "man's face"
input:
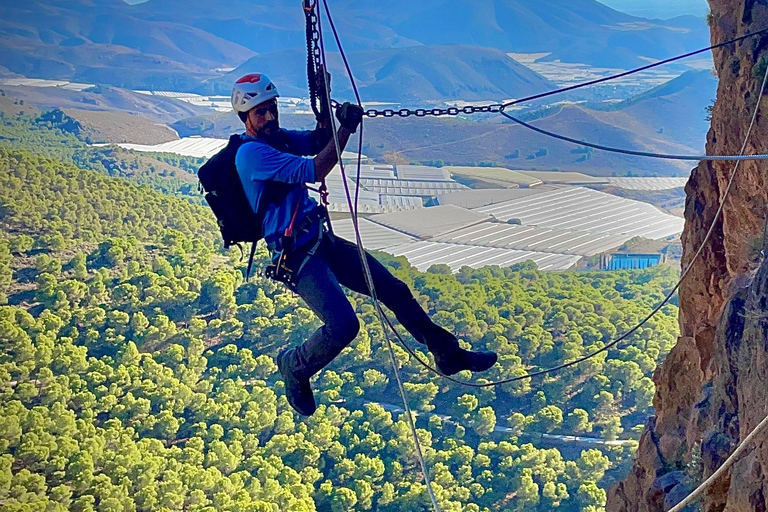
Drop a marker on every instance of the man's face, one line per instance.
(264, 119)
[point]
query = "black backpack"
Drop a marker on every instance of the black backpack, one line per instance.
(225, 195)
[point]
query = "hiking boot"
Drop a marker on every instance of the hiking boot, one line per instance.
(297, 390)
(451, 358)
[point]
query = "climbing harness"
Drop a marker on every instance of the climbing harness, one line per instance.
(288, 260)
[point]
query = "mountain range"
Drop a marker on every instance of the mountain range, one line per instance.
(184, 44)
(670, 118)
(403, 75)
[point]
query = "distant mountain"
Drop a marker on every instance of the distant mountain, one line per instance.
(691, 86)
(175, 44)
(267, 26)
(406, 75)
(105, 42)
(675, 110)
(630, 44)
(574, 31)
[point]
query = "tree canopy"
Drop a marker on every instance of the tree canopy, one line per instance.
(137, 370)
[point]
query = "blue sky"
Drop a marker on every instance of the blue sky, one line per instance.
(659, 8)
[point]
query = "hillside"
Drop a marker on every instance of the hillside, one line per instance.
(55, 134)
(105, 99)
(463, 142)
(676, 110)
(459, 142)
(660, 8)
(103, 42)
(11, 106)
(267, 26)
(630, 44)
(507, 25)
(578, 31)
(105, 126)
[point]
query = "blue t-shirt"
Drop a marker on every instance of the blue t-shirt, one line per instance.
(257, 162)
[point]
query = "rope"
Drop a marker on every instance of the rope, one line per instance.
(740, 448)
(553, 135)
(631, 331)
(367, 270)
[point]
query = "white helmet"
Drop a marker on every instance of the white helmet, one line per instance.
(252, 90)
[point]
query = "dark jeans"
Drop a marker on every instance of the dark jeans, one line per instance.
(336, 262)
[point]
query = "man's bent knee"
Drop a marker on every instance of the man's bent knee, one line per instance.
(395, 292)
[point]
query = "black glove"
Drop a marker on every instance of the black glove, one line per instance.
(349, 115)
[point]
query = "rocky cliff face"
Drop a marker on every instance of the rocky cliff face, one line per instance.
(713, 387)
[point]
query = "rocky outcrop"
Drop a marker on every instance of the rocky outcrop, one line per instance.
(711, 390)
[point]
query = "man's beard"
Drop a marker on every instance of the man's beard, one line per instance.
(269, 130)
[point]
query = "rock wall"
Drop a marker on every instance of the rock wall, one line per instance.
(712, 389)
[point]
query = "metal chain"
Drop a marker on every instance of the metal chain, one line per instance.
(314, 60)
(493, 108)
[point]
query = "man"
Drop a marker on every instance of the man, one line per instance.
(319, 262)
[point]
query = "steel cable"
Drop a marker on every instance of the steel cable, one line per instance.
(720, 158)
(740, 448)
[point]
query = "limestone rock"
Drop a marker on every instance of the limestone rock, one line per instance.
(712, 389)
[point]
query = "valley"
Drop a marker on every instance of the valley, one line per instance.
(138, 369)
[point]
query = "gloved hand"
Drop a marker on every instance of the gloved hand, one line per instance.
(349, 116)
